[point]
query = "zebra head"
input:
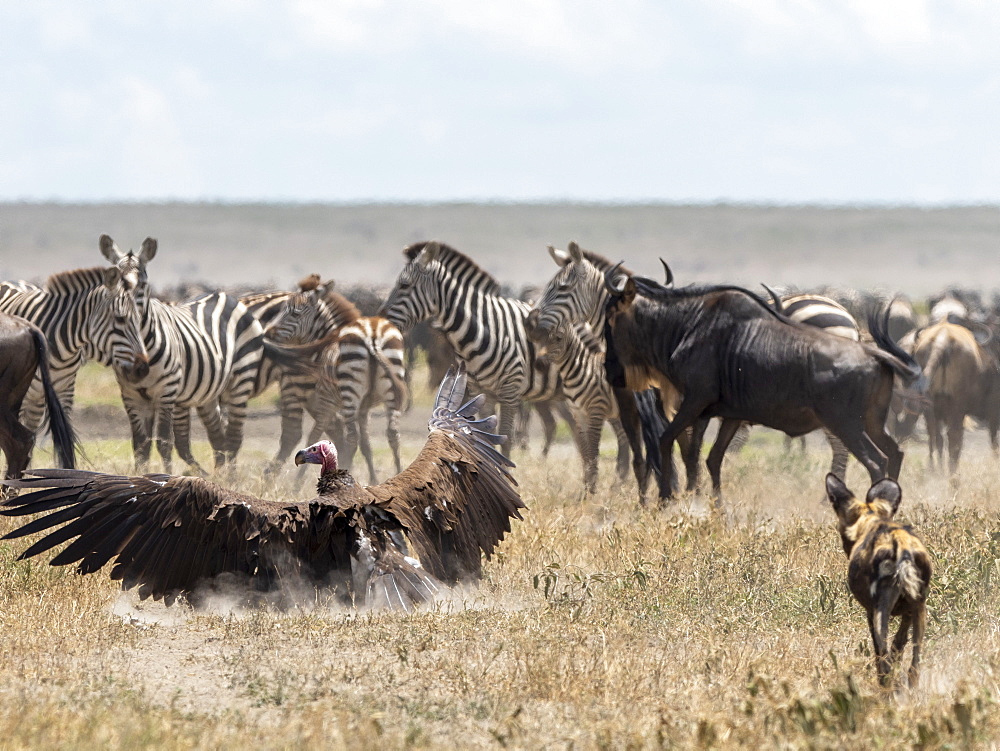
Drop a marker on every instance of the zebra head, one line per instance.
(116, 319)
(575, 294)
(417, 293)
(115, 328)
(297, 319)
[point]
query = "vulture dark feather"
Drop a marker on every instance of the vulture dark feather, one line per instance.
(389, 545)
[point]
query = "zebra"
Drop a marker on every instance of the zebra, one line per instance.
(363, 368)
(579, 355)
(73, 309)
(486, 329)
(295, 386)
(205, 354)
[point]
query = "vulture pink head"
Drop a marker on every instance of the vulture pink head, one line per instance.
(323, 453)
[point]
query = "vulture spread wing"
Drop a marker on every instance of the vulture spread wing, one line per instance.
(166, 535)
(456, 500)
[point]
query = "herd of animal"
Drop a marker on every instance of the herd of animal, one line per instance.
(598, 344)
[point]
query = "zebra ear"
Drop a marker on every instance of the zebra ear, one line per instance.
(429, 253)
(574, 252)
(561, 257)
(148, 250)
(109, 250)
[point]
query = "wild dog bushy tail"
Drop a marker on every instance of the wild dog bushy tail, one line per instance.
(908, 576)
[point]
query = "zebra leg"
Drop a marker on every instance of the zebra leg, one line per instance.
(235, 406)
(165, 432)
(590, 444)
(508, 413)
(182, 438)
(544, 411)
(211, 418)
(292, 403)
(142, 434)
(364, 442)
(392, 434)
(623, 447)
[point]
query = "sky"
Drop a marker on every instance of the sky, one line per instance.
(760, 101)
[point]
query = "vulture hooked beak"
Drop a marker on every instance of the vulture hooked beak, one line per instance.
(323, 453)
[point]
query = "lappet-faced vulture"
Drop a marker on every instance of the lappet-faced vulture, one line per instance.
(392, 544)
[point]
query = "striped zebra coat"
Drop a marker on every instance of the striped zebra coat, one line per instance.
(486, 329)
(362, 369)
(74, 310)
(296, 385)
(203, 354)
(579, 355)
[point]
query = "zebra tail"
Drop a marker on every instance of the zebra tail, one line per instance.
(298, 358)
(398, 384)
(63, 436)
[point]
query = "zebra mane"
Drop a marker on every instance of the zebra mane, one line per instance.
(71, 282)
(601, 262)
(460, 264)
(343, 310)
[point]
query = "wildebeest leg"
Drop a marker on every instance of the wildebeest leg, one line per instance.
(691, 451)
(686, 414)
(956, 433)
(935, 441)
(623, 448)
(16, 442)
(727, 429)
(863, 447)
(840, 455)
(888, 446)
(919, 624)
(628, 415)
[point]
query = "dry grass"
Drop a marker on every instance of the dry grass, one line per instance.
(599, 624)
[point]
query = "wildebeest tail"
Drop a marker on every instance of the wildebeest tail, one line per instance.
(63, 437)
(901, 361)
(653, 425)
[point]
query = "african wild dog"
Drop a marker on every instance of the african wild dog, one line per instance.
(889, 570)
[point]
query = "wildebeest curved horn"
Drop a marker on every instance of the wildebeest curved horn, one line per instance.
(778, 307)
(609, 280)
(668, 275)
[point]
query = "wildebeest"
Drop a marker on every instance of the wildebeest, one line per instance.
(731, 356)
(962, 379)
(23, 350)
(889, 570)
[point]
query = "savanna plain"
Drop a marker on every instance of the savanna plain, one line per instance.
(600, 623)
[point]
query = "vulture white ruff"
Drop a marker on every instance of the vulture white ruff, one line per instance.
(390, 545)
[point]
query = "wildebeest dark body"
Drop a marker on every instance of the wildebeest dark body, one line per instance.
(23, 351)
(730, 356)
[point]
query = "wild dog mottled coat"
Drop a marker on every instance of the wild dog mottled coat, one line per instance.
(889, 571)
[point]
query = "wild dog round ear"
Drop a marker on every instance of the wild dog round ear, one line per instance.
(887, 490)
(836, 491)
